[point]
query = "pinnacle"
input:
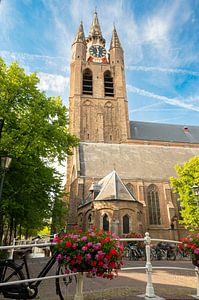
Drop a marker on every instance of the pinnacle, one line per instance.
(80, 37)
(115, 42)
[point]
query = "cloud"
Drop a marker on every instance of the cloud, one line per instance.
(164, 70)
(172, 101)
(54, 83)
(35, 62)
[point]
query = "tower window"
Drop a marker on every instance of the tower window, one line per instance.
(108, 84)
(87, 86)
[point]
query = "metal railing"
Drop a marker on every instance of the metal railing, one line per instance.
(149, 292)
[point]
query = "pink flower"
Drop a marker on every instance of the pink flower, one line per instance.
(74, 236)
(84, 248)
(88, 256)
(90, 244)
(84, 238)
(75, 245)
(97, 246)
(196, 251)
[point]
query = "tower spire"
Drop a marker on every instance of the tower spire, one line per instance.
(115, 42)
(95, 29)
(80, 37)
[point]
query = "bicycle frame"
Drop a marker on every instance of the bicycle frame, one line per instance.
(29, 290)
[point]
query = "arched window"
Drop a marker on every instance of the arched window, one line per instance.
(105, 223)
(154, 205)
(89, 218)
(108, 121)
(86, 120)
(130, 188)
(87, 86)
(126, 224)
(108, 84)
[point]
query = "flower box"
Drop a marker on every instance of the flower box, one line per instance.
(96, 252)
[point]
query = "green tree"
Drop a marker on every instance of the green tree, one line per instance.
(35, 134)
(188, 175)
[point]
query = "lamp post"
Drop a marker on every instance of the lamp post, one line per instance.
(195, 191)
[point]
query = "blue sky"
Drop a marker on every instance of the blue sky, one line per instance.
(159, 38)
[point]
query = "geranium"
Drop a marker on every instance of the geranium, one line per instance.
(96, 252)
(190, 245)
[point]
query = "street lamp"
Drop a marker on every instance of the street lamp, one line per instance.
(5, 161)
(195, 191)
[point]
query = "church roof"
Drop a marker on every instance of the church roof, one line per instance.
(132, 161)
(164, 132)
(112, 188)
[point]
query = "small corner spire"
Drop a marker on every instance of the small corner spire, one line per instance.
(115, 42)
(80, 37)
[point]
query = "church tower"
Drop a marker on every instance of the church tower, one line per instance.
(98, 103)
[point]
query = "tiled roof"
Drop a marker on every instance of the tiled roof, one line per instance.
(132, 160)
(164, 132)
(112, 188)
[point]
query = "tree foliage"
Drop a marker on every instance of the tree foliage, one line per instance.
(35, 133)
(188, 175)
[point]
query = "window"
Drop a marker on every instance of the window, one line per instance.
(105, 223)
(126, 224)
(89, 218)
(87, 87)
(154, 205)
(108, 84)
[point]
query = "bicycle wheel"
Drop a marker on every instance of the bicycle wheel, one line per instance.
(62, 283)
(9, 272)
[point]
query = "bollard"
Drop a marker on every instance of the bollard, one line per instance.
(79, 287)
(149, 287)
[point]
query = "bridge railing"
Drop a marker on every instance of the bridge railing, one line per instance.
(149, 292)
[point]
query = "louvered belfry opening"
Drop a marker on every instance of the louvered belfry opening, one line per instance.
(108, 85)
(87, 87)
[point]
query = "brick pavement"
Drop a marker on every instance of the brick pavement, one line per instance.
(168, 284)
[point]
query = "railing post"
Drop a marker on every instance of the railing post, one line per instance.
(79, 286)
(197, 282)
(149, 287)
(10, 256)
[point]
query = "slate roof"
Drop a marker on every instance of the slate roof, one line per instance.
(150, 162)
(164, 132)
(112, 188)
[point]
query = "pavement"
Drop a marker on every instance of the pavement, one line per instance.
(168, 284)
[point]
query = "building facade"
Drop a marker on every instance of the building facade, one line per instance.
(118, 177)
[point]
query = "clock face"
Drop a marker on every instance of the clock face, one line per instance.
(97, 51)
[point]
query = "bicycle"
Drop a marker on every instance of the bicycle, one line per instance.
(11, 271)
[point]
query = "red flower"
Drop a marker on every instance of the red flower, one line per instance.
(113, 252)
(106, 240)
(68, 244)
(93, 263)
(79, 258)
(112, 265)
